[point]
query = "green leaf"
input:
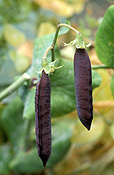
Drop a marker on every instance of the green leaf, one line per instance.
(82, 137)
(63, 90)
(30, 23)
(96, 79)
(29, 162)
(26, 162)
(13, 36)
(21, 62)
(61, 139)
(17, 11)
(13, 124)
(64, 30)
(5, 158)
(112, 85)
(28, 95)
(7, 69)
(1, 33)
(104, 42)
(40, 46)
(62, 82)
(112, 130)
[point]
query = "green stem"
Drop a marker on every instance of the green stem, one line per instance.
(54, 42)
(68, 26)
(56, 36)
(9, 90)
(101, 67)
(46, 52)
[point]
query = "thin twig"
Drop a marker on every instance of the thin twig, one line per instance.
(56, 36)
(46, 52)
(10, 89)
(101, 67)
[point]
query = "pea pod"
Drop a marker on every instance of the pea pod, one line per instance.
(43, 117)
(83, 87)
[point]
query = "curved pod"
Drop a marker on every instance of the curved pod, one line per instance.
(83, 87)
(43, 117)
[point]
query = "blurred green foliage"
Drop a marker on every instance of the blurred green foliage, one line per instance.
(105, 39)
(74, 150)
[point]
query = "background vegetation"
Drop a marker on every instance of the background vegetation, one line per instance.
(24, 26)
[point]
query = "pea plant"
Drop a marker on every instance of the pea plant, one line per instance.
(83, 90)
(54, 87)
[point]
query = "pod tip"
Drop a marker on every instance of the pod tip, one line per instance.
(87, 125)
(44, 164)
(44, 160)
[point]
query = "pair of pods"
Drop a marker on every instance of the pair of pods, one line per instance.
(83, 92)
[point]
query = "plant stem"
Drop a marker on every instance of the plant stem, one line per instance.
(46, 52)
(54, 42)
(56, 36)
(10, 89)
(101, 67)
(68, 26)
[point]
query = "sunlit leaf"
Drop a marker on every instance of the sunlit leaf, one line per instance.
(104, 41)
(22, 63)
(82, 136)
(26, 49)
(112, 130)
(58, 6)
(112, 85)
(46, 28)
(103, 92)
(78, 5)
(13, 36)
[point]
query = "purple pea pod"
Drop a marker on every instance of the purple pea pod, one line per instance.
(83, 87)
(43, 117)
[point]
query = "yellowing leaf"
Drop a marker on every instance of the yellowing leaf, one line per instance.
(26, 49)
(63, 7)
(103, 92)
(78, 5)
(68, 52)
(82, 136)
(112, 130)
(21, 62)
(46, 28)
(58, 6)
(13, 36)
